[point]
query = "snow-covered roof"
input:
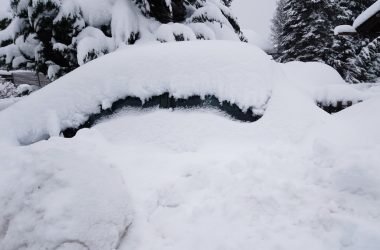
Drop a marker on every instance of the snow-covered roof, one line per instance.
(235, 72)
(366, 15)
(344, 29)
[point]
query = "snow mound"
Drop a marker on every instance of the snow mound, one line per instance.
(7, 102)
(53, 196)
(234, 72)
(321, 82)
(220, 68)
(283, 182)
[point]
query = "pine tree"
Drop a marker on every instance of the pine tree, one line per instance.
(367, 63)
(345, 57)
(5, 39)
(54, 36)
(302, 30)
(306, 34)
(344, 48)
(278, 23)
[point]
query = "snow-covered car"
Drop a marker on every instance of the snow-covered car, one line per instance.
(191, 179)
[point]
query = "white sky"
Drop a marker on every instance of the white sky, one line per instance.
(255, 14)
(3, 4)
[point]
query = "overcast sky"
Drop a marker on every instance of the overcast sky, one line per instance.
(255, 14)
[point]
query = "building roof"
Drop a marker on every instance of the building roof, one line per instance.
(369, 21)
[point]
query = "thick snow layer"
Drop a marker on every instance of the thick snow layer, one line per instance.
(371, 11)
(232, 71)
(57, 196)
(172, 31)
(197, 180)
(92, 39)
(321, 82)
(7, 102)
(191, 179)
(298, 177)
(344, 29)
(96, 12)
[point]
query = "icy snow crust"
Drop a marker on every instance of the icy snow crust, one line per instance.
(191, 179)
(235, 72)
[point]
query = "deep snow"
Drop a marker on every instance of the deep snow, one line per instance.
(193, 179)
(236, 72)
(196, 179)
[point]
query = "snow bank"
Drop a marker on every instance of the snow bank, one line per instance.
(193, 179)
(284, 182)
(321, 82)
(371, 11)
(7, 102)
(236, 72)
(232, 71)
(55, 196)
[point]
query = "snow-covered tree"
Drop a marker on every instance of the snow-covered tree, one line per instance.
(349, 52)
(302, 30)
(367, 63)
(278, 23)
(344, 48)
(306, 32)
(56, 36)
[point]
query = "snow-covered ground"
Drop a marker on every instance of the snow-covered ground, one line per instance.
(193, 179)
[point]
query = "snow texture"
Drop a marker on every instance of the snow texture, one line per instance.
(343, 29)
(191, 179)
(7, 102)
(60, 197)
(242, 74)
(145, 71)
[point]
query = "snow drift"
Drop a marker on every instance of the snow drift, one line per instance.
(191, 179)
(60, 197)
(235, 72)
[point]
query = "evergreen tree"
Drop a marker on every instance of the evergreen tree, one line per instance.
(5, 39)
(278, 23)
(347, 53)
(367, 63)
(200, 11)
(302, 30)
(55, 36)
(344, 48)
(306, 33)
